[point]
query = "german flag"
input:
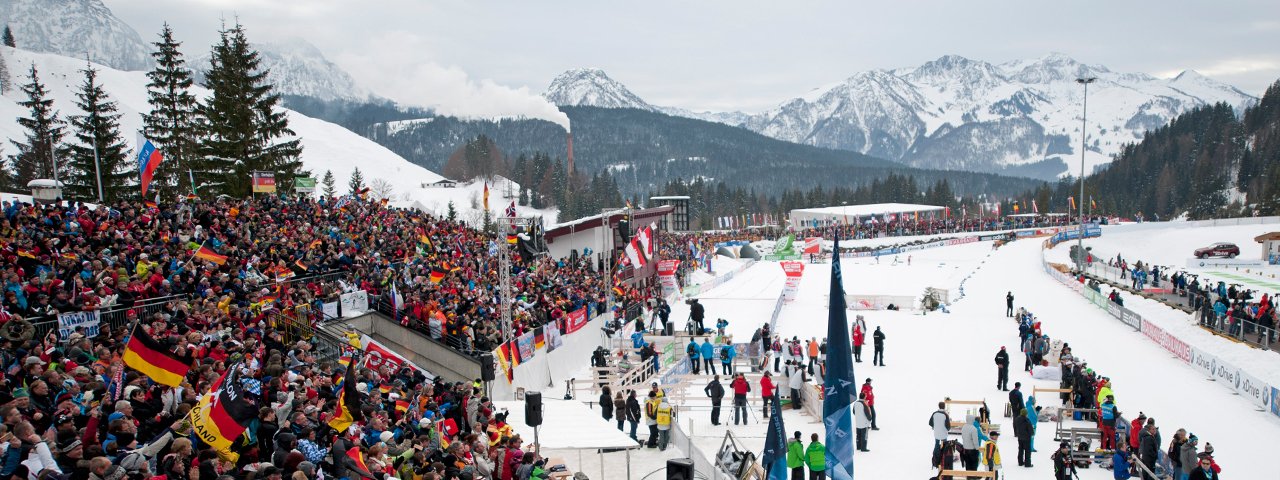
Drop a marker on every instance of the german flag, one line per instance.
(450, 267)
(617, 290)
(539, 338)
(24, 253)
(300, 265)
(512, 239)
(437, 275)
(402, 406)
(70, 255)
(348, 411)
(192, 196)
(384, 388)
(224, 412)
(354, 453)
(206, 253)
(146, 355)
(314, 244)
(150, 204)
(425, 240)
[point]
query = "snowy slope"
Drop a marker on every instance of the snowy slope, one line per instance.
(956, 113)
(74, 28)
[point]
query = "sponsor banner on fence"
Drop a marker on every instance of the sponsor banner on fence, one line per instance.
(525, 344)
(1171, 343)
(577, 320)
(68, 322)
(330, 310)
(264, 182)
(1255, 390)
(1203, 362)
(812, 245)
(553, 337)
(1131, 319)
(667, 276)
(1223, 262)
(378, 355)
(794, 271)
(304, 184)
(354, 303)
(1275, 401)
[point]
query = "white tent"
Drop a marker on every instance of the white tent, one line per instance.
(570, 425)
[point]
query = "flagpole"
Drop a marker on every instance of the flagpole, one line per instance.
(193, 255)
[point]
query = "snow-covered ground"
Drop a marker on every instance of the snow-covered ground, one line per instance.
(944, 355)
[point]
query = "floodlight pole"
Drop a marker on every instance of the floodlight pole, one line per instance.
(1084, 124)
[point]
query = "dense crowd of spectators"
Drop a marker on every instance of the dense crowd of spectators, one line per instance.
(75, 411)
(910, 226)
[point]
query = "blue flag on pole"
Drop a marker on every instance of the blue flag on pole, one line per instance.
(838, 390)
(774, 458)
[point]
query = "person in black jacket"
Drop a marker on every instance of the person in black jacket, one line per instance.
(1022, 431)
(606, 403)
(696, 313)
(1002, 370)
(878, 337)
(1008, 304)
(1015, 398)
(1149, 445)
(716, 392)
(633, 413)
(1063, 466)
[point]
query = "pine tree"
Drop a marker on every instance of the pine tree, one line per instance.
(171, 123)
(100, 149)
(357, 181)
(329, 184)
(243, 126)
(4, 75)
(44, 131)
(8, 38)
(452, 213)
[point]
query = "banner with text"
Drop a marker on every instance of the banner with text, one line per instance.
(577, 320)
(378, 355)
(794, 271)
(68, 322)
(354, 303)
(667, 277)
(812, 245)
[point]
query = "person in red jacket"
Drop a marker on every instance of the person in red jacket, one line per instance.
(1134, 428)
(767, 392)
(859, 338)
(871, 402)
(740, 388)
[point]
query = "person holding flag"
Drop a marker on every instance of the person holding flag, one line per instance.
(149, 158)
(146, 355)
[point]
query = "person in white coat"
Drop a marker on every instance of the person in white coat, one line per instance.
(941, 423)
(862, 421)
(796, 383)
(970, 443)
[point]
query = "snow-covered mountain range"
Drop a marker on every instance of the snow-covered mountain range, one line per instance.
(296, 67)
(75, 28)
(1021, 117)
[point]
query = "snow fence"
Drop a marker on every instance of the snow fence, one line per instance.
(1265, 397)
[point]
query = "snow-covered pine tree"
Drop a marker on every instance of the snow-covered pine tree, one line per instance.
(329, 184)
(7, 38)
(43, 131)
(99, 149)
(244, 128)
(356, 182)
(171, 125)
(4, 75)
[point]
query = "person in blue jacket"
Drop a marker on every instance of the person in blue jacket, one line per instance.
(1033, 416)
(692, 351)
(708, 352)
(1121, 462)
(726, 358)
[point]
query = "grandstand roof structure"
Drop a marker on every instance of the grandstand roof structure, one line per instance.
(806, 217)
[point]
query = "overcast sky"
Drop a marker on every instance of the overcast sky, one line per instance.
(726, 54)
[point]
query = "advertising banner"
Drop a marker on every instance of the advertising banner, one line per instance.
(576, 320)
(1255, 390)
(794, 271)
(667, 276)
(525, 344)
(554, 340)
(67, 323)
(264, 182)
(812, 245)
(1171, 343)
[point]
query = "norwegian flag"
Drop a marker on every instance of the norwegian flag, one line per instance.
(511, 210)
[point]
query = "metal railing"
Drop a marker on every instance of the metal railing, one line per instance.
(115, 316)
(461, 343)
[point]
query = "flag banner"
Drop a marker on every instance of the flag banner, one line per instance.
(838, 387)
(225, 411)
(511, 210)
(264, 182)
(1072, 201)
(146, 355)
(378, 355)
(667, 276)
(794, 271)
(436, 275)
(149, 158)
(812, 245)
(1034, 208)
(486, 196)
(539, 338)
(633, 254)
(304, 184)
(1092, 204)
(504, 360)
(206, 253)
(348, 409)
(774, 457)
(645, 238)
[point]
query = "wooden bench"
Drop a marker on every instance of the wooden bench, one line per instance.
(967, 472)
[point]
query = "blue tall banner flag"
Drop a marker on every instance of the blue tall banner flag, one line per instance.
(839, 385)
(774, 458)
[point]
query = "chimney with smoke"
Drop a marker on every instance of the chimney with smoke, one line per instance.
(570, 152)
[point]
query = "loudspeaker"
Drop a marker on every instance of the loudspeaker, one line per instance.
(486, 367)
(679, 469)
(533, 408)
